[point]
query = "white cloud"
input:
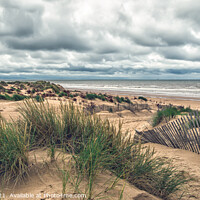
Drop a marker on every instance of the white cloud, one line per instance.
(99, 38)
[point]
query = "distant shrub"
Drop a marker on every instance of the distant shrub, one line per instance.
(2, 97)
(122, 98)
(17, 97)
(9, 91)
(39, 98)
(61, 94)
(127, 100)
(110, 99)
(47, 87)
(165, 114)
(28, 91)
(101, 97)
(3, 83)
(39, 86)
(8, 97)
(82, 95)
(14, 82)
(76, 95)
(33, 91)
(188, 109)
(169, 113)
(1, 87)
(119, 100)
(13, 88)
(22, 86)
(91, 96)
(17, 82)
(11, 82)
(55, 88)
(142, 98)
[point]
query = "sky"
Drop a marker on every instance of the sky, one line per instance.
(90, 39)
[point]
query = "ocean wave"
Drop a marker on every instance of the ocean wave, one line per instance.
(168, 88)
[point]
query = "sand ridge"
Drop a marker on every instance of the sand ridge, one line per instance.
(185, 161)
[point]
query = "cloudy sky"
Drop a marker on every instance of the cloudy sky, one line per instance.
(135, 39)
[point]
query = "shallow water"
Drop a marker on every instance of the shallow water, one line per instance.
(179, 88)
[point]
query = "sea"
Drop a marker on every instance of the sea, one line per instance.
(185, 89)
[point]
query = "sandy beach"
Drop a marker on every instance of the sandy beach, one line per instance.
(187, 162)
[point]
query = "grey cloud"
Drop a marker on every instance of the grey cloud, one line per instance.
(189, 10)
(158, 37)
(17, 21)
(91, 39)
(27, 31)
(23, 5)
(19, 70)
(183, 71)
(130, 70)
(180, 54)
(106, 70)
(49, 43)
(108, 50)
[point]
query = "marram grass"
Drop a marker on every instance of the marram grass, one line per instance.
(95, 146)
(13, 152)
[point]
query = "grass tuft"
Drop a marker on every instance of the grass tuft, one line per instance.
(42, 120)
(97, 145)
(142, 98)
(168, 113)
(13, 152)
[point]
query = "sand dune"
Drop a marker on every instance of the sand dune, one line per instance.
(47, 180)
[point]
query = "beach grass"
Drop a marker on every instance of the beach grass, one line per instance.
(96, 146)
(169, 113)
(13, 152)
(42, 120)
(15, 97)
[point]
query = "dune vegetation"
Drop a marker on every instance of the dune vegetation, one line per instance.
(169, 113)
(94, 145)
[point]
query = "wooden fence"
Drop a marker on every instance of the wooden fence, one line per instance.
(132, 107)
(183, 133)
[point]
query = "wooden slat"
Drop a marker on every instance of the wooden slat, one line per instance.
(190, 135)
(175, 135)
(183, 133)
(180, 137)
(168, 136)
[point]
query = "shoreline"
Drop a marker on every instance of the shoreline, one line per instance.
(132, 94)
(193, 103)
